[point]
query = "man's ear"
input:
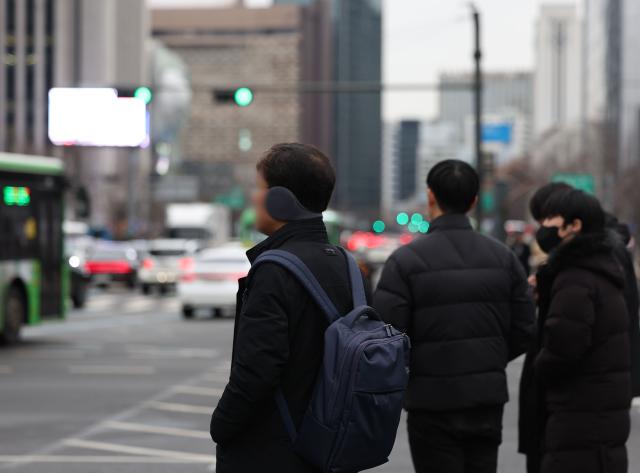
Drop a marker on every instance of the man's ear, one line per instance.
(474, 204)
(431, 198)
(577, 225)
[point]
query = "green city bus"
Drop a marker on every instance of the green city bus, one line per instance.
(34, 276)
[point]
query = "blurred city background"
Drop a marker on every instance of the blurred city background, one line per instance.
(129, 134)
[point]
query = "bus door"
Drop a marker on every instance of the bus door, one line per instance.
(49, 225)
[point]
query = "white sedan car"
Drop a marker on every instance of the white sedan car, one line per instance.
(212, 282)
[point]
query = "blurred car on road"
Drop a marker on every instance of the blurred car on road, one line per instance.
(76, 244)
(212, 282)
(164, 261)
(109, 262)
(75, 251)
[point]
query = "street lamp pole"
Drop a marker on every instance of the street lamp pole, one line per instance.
(477, 100)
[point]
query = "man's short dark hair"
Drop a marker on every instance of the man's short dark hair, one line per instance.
(576, 204)
(303, 169)
(540, 197)
(455, 185)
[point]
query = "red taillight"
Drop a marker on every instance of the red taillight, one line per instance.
(147, 263)
(361, 240)
(406, 239)
(188, 277)
(186, 264)
(108, 267)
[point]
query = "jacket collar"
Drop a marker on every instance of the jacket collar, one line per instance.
(309, 230)
(451, 222)
(593, 252)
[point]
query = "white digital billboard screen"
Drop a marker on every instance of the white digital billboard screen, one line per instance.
(96, 117)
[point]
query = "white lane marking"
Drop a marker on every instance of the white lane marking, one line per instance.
(18, 459)
(158, 352)
(198, 391)
(100, 302)
(137, 305)
(108, 369)
(156, 429)
(62, 355)
(6, 369)
(108, 322)
(175, 407)
(152, 452)
(98, 427)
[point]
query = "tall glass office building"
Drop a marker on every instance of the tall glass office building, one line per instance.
(355, 28)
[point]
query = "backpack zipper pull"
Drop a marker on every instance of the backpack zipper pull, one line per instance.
(389, 330)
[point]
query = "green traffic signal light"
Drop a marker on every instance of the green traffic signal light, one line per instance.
(402, 218)
(378, 226)
(243, 96)
(144, 94)
(416, 218)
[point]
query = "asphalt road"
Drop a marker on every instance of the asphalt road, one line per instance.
(127, 386)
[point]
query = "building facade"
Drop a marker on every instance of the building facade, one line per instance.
(352, 52)
(26, 74)
(224, 49)
(558, 68)
(358, 122)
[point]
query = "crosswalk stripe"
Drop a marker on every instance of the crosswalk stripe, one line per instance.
(176, 407)
(18, 459)
(170, 353)
(198, 391)
(125, 304)
(152, 452)
(156, 429)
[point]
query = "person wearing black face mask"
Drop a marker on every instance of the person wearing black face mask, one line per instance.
(575, 414)
(548, 238)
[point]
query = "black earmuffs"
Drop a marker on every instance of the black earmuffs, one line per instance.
(283, 205)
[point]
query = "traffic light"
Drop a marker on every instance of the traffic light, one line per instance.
(417, 219)
(378, 226)
(143, 93)
(242, 96)
(402, 218)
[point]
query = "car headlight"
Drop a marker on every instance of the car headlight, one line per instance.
(74, 261)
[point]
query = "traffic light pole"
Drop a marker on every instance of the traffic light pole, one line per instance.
(477, 98)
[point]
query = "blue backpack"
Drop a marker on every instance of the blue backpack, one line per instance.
(352, 420)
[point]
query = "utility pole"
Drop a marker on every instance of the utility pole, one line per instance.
(477, 99)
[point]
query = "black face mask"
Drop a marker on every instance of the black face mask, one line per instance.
(548, 238)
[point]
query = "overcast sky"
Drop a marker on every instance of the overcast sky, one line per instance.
(425, 37)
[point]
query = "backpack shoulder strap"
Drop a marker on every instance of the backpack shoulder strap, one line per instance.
(300, 270)
(357, 284)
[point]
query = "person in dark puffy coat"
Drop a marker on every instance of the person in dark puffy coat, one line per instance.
(583, 365)
(463, 299)
(279, 329)
(532, 415)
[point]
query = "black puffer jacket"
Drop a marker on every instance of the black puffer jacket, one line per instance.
(532, 415)
(583, 365)
(463, 299)
(620, 236)
(278, 341)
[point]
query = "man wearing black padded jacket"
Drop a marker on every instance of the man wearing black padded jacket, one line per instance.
(279, 330)
(463, 299)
